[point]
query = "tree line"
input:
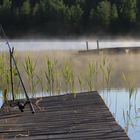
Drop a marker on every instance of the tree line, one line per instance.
(64, 17)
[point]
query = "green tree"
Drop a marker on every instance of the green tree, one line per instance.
(73, 15)
(40, 9)
(62, 16)
(6, 4)
(129, 10)
(55, 9)
(114, 19)
(17, 12)
(101, 15)
(35, 9)
(39, 13)
(26, 8)
(114, 13)
(5, 12)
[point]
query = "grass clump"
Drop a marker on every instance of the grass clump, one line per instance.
(30, 68)
(49, 74)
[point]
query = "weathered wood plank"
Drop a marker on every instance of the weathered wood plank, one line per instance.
(85, 117)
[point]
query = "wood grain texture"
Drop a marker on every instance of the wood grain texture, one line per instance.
(85, 117)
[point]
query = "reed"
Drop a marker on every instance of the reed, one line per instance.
(73, 84)
(106, 69)
(96, 76)
(126, 120)
(58, 82)
(80, 81)
(16, 80)
(2, 67)
(4, 74)
(129, 83)
(40, 80)
(49, 74)
(131, 87)
(108, 75)
(59, 75)
(29, 68)
(102, 68)
(90, 76)
(67, 76)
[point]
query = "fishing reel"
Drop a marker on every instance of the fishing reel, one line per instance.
(21, 104)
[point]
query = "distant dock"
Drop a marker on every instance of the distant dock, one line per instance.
(119, 50)
(85, 117)
(109, 50)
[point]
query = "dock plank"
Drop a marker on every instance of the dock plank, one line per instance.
(64, 117)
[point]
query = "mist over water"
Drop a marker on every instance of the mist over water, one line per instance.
(35, 45)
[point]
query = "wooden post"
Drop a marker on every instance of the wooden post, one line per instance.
(98, 51)
(11, 73)
(87, 45)
(98, 45)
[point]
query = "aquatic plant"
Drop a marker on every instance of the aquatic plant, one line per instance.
(57, 76)
(102, 67)
(90, 76)
(129, 83)
(126, 120)
(73, 84)
(80, 81)
(67, 76)
(131, 86)
(30, 67)
(2, 69)
(96, 76)
(106, 70)
(40, 80)
(49, 74)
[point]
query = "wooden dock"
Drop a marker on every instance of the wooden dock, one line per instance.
(85, 117)
(115, 50)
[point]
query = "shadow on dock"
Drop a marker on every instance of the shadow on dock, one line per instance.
(85, 117)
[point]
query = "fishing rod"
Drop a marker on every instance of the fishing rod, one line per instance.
(11, 50)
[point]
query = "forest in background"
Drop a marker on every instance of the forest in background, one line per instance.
(70, 17)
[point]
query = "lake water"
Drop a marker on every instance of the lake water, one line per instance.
(36, 45)
(125, 110)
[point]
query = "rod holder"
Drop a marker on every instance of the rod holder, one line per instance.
(12, 60)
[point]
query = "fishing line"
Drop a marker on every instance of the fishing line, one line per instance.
(20, 104)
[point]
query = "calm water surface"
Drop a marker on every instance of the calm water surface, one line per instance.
(126, 110)
(36, 45)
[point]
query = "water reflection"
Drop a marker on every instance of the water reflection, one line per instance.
(125, 110)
